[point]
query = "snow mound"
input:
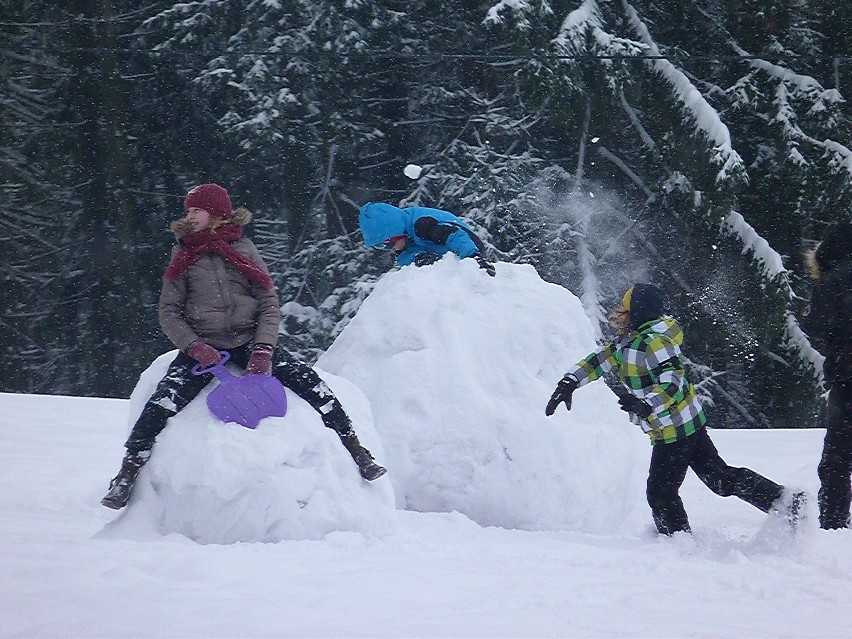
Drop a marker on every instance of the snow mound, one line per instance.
(458, 367)
(221, 483)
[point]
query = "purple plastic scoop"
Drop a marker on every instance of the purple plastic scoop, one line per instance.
(244, 400)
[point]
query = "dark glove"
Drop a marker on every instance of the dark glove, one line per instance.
(564, 389)
(260, 360)
(204, 354)
(485, 265)
(632, 404)
(425, 259)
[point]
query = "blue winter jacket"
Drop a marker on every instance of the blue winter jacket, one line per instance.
(427, 230)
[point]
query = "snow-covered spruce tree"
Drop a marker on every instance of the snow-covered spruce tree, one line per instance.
(795, 132)
(437, 107)
(463, 121)
(768, 366)
(607, 197)
(671, 155)
(586, 166)
(834, 22)
(32, 246)
(484, 170)
(794, 135)
(71, 184)
(734, 321)
(315, 94)
(787, 128)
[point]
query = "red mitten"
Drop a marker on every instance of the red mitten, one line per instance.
(260, 361)
(204, 354)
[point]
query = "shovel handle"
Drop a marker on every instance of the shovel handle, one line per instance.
(218, 369)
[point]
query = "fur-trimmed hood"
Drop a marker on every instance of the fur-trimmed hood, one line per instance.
(240, 217)
(834, 249)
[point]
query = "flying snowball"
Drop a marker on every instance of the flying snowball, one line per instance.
(412, 171)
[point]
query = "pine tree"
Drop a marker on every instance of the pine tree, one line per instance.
(702, 145)
(654, 110)
(32, 244)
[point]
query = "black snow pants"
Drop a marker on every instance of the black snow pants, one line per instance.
(179, 387)
(835, 467)
(669, 463)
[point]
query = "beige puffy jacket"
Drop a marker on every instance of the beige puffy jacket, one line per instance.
(212, 301)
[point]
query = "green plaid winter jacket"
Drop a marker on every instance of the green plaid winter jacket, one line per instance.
(650, 367)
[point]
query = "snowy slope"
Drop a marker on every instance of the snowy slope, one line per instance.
(435, 575)
(515, 525)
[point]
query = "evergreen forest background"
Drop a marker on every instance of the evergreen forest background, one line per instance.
(700, 144)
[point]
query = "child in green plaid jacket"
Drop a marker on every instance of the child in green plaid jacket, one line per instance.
(647, 357)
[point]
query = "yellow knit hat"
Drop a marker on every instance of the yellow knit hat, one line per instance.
(626, 299)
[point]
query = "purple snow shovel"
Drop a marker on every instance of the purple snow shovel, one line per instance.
(244, 400)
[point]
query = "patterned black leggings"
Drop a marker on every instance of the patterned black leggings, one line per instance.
(179, 387)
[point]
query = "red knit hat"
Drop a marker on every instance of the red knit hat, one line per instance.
(211, 197)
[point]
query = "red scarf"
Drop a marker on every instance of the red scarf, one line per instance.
(219, 241)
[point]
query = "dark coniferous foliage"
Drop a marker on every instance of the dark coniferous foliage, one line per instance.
(703, 145)
(35, 208)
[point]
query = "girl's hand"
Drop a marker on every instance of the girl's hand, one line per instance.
(260, 361)
(204, 354)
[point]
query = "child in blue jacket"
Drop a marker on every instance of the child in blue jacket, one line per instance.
(419, 235)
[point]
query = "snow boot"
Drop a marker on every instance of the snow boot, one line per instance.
(367, 466)
(339, 421)
(119, 488)
(792, 507)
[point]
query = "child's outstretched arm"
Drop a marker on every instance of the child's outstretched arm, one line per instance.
(594, 365)
(586, 370)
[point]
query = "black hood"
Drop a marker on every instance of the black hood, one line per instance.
(647, 302)
(836, 246)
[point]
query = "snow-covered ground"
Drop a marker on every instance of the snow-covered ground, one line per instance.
(445, 372)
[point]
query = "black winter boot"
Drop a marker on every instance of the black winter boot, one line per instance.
(791, 506)
(367, 466)
(339, 421)
(121, 485)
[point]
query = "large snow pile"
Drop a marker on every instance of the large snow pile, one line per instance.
(458, 367)
(221, 483)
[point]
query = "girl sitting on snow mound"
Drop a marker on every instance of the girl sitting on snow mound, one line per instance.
(647, 356)
(218, 296)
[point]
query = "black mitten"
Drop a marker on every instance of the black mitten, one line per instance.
(485, 265)
(425, 259)
(562, 395)
(632, 404)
